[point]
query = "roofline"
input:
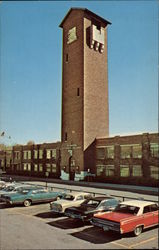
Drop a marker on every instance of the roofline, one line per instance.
(86, 10)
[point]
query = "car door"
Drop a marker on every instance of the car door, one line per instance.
(79, 199)
(36, 195)
(148, 216)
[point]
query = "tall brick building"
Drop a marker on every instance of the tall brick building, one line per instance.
(85, 113)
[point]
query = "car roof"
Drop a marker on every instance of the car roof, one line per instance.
(138, 203)
(100, 198)
(76, 193)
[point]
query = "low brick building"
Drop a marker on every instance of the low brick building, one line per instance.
(130, 159)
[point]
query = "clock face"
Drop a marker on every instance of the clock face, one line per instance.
(71, 35)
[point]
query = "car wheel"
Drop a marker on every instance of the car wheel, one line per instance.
(27, 203)
(138, 230)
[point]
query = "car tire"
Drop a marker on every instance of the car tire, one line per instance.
(138, 230)
(27, 203)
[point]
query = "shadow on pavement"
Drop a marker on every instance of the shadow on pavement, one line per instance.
(4, 205)
(48, 215)
(66, 223)
(96, 236)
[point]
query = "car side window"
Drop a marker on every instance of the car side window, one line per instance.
(79, 198)
(87, 196)
(146, 209)
(154, 207)
(34, 191)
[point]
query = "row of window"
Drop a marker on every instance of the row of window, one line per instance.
(126, 171)
(126, 151)
(51, 168)
(38, 154)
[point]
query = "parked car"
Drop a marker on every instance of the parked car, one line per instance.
(31, 195)
(68, 200)
(91, 206)
(13, 188)
(129, 216)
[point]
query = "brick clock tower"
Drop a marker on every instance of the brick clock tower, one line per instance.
(85, 111)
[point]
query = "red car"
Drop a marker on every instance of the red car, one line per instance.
(129, 216)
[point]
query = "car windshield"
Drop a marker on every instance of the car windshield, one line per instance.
(68, 197)
(127, 209)
(9, 188)
(92, 203)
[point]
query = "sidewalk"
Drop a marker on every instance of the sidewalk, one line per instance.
(130, 188)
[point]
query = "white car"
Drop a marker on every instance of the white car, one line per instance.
(69, 200)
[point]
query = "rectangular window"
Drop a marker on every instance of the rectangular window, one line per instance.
(48, 168)
(35, 167)
(66, 57)
(17, 155)
(137, 151)
(154, 148)
(125, 151)
(65, 136)
(124, 170)
(109, 170)
(27, 154)
(51, 153)
(100, 170)
(40, 168)
(105, 152)
(154, 172)
(29, 167)
(54, 168)
(100, 153)
(54, 153)
(25, 166)
(35, 154)
(136, 170)
(40, 153)
(48, 154)
(78, 91)
(110, 152)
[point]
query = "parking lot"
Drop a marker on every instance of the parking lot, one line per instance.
(35, 227)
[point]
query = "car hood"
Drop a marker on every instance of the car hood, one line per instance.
(114, 216)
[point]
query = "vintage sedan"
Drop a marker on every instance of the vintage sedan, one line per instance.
(129, 216)
(31, 195)
(91, 206)
(68, 200)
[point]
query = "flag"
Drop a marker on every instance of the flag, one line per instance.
(2, 134)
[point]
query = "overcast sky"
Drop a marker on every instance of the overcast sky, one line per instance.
(31, 67)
